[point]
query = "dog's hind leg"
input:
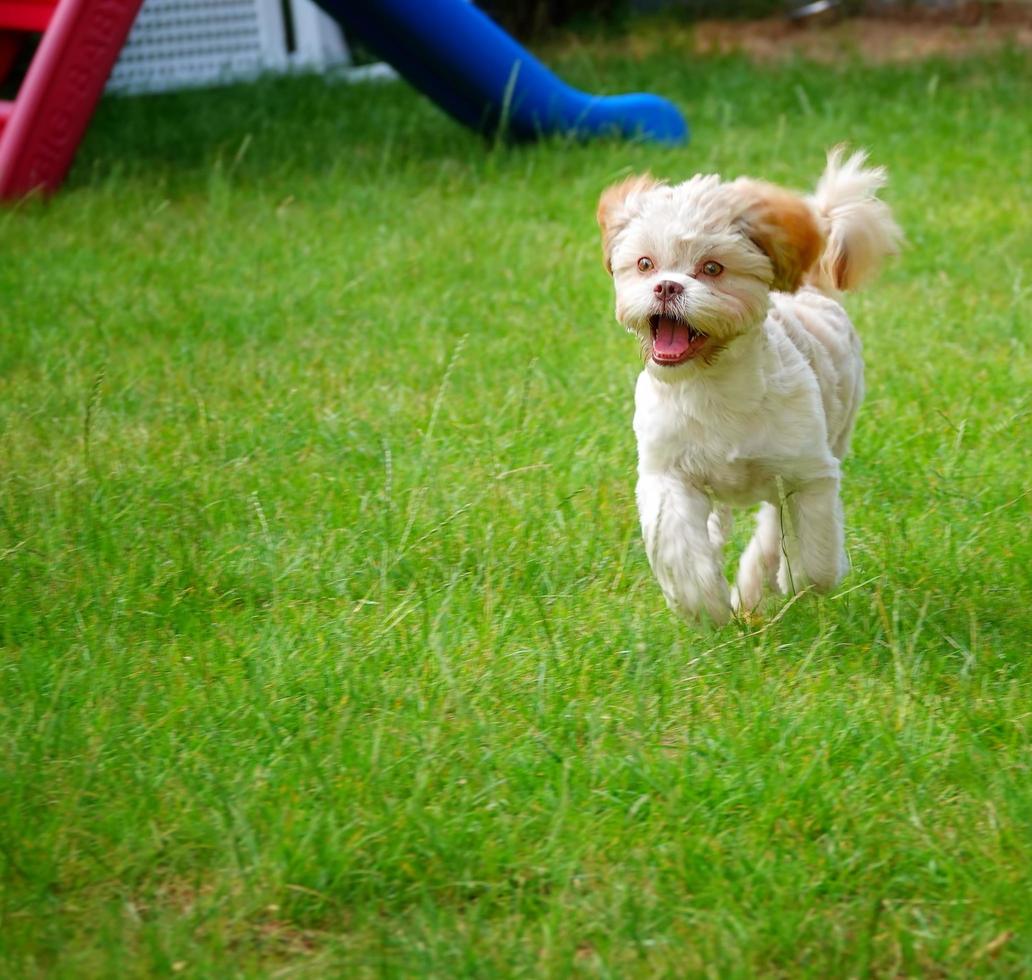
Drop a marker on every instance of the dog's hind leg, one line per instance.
(816, 553)
(758, 568)
(718, 526)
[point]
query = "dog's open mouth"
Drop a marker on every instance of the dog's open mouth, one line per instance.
(674, 341)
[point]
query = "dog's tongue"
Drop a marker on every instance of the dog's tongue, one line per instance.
(673, 341)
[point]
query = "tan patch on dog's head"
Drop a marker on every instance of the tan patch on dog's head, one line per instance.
(784, 227)
(615, 210)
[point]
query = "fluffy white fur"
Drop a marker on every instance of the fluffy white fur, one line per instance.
(761, 408)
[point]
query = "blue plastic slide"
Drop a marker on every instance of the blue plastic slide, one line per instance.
(473, 70)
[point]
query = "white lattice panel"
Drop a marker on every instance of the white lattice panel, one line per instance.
(183, 43)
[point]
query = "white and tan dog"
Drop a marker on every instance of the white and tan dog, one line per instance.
(753, 371)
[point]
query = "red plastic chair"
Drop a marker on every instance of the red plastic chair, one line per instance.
(41, 129)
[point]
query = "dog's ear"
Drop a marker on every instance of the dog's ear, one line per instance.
(784, 227)
(616, 208)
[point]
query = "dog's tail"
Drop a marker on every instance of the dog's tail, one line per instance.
(861, 232)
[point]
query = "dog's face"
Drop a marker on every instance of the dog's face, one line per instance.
(693, 264)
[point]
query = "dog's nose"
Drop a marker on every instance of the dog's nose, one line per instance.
(667, 289)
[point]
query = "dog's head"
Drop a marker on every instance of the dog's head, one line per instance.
(694, 264)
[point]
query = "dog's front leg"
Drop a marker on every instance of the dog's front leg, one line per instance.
(687, 563)
(819, 556)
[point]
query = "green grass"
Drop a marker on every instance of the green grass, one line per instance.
(330, 646)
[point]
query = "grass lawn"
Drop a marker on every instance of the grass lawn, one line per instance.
(329, 643)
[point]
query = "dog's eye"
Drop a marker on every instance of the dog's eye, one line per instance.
(712, 268)
(645, 264)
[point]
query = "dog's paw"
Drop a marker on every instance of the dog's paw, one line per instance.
(745, 612)
(712, 614)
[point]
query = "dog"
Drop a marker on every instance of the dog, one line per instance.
(753, 371)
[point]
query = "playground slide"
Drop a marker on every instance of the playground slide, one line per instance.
(41, 127)
(473, 70)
